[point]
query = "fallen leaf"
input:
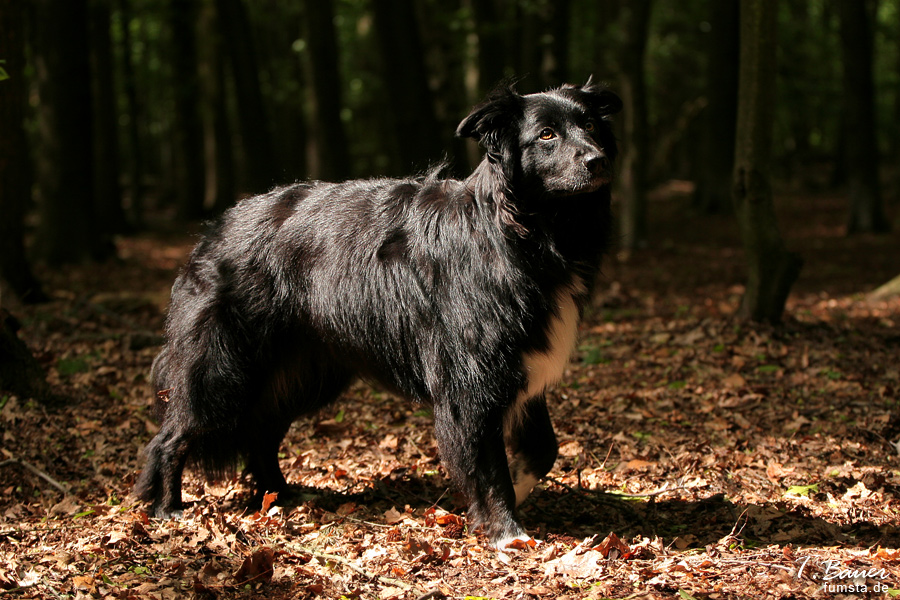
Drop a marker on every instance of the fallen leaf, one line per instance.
(258, 566)
(610, 543)
(268, 499)
(734, 381)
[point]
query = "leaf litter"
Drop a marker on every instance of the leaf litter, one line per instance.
(700, 457)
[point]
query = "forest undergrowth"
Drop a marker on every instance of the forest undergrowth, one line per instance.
(700, 457)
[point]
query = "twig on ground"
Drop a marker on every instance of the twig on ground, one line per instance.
(658, 492)
(340, 559)
(36, 471)
(736, 561)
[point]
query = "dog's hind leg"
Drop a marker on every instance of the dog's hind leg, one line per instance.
(262, 460)
(292, 391)
(532, 444)
(160, 480)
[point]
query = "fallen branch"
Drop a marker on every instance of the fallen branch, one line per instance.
(888, 290)
(36, 471)
(344, 561)
(658, 492)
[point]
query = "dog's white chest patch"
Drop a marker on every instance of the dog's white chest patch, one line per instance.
(543, 369)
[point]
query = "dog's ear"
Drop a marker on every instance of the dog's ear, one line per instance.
(597, 97)
(492, 122)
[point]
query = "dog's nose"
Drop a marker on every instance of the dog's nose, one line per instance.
(596, 162)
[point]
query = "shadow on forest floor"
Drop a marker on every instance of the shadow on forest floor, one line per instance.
(713, 449)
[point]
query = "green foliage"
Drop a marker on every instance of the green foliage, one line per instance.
(592, 355)
(3, 73)
(802, 490)
(71, 366)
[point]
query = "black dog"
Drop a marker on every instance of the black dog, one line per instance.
(461, 294)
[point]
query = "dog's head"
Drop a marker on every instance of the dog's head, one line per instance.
(556, 143)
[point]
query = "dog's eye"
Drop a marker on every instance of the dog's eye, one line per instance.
(589, 126)
(547, 134)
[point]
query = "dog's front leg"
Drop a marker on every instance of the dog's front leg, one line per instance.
(470, 439)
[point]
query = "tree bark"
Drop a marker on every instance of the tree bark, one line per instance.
(331, 152)
(220, 181)
(403, 70)
(635, 15)
(253, 124)
(107, 191)
(771, 268)
(133, 135)
(15, 184)
(713, 194)
(489, 28)
(20, 372)
(555, 70)
(866, 208)
(67, 232)
(190, 175)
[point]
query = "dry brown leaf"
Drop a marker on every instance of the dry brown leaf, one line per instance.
(269, 498)
(734, 381)
(259, 566)
(610, 543)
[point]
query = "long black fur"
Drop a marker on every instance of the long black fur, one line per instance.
(438, 289)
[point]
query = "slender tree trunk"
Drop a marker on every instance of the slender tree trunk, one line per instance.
(68, 230)
(403, 70)
(15, 184)
(866, 209)
(220, 181)
(635, 15)
(259, 154)
(447, 71)
(107, 191)
(20, 372)
(555, 70)
(133, 136)
(190, 175)
(489, 27)
(771, 268)
(331, 154)
(716, 166)
(526, 40)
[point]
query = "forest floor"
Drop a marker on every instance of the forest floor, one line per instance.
(700, 457)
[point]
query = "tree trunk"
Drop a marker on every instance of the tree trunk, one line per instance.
(68, 228)
(446, 69)
(716, 166)
(526, 44)
(555, 68)
(107, 191)
(489, 27)
(771, 268)
(866, 209)
(220, 180)
(15, 184)
(190, 176)
(259, 154)
(20, 372)
(331, 151)
(406, 79)
(133, 136)
(635, 15)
